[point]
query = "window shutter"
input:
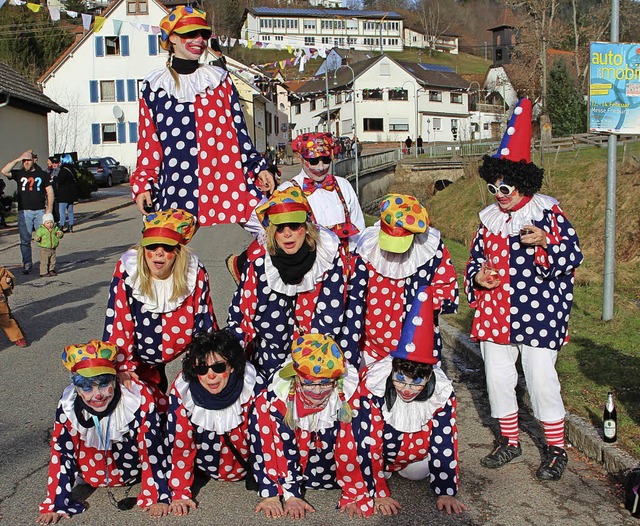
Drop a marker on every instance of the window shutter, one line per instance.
(122, 133)
(95, 133)
(153, 44)
(93, 91)
(132, 96)
(133, 132)
(99, 47)
(124, 45)
(120, 90)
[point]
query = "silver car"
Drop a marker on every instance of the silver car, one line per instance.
(106, 170)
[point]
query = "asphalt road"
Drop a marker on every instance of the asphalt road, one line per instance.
(70, 308)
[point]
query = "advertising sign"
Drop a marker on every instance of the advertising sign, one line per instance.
(614, 88)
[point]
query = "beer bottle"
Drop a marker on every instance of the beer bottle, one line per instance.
(610, 420)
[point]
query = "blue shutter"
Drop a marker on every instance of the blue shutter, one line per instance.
(122, 133)
(153, 44)
(132, 94)
(95, 133)
(99, 46)
(120, 90)
(93, 91)
(124, 45)
(133, 132)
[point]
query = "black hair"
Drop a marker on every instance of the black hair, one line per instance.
(221, 342)
(413, 370)
(525, 177)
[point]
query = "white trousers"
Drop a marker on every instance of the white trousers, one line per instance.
(539, 366)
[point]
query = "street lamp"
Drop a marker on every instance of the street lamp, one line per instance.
(415, 102)
(326, 86)
(353, 126)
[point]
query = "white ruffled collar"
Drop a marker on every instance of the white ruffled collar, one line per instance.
(197, 83)
(218, 421)
(164, 288)
(407, 417)
(119, 420)
(328, 416)
(326, 251)
(509, 224)
(397, 266)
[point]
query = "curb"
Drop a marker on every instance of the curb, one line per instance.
(580, 433)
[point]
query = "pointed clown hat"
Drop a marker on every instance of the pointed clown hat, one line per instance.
(417, 336)
(516, 142)
(91, 359)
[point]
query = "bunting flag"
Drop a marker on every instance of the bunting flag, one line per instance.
(98, 23)
(72, 14)
(86, 21)
(117, 27)
(55, 13)
(34, 7)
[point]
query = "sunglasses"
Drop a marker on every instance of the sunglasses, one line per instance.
(504, 189)
(204, 33)
(315, 160)
(155, 246)
(218, 368)
(294, 227)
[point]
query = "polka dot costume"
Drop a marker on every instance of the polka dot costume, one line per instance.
(197, 156)
(137, 454)
(532, 304)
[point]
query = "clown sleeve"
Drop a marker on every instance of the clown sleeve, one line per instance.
(563, 254)
(243, 307)
(63, 469)
(443, 450)
(355, 311)
(149, 149)
(444, 285)
(474, 265)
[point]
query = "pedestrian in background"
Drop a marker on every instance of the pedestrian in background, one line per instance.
(408, 142)
(67, 192)
(519, 280)
(7, 322)
(48, 238)
(53, 166)
(419, 145)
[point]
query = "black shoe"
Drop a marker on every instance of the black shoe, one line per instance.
(26, 269)
(502, 454)
(554, 462)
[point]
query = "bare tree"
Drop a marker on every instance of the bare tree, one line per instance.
(431, 22)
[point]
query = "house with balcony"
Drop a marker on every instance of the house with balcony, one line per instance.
(324, 28)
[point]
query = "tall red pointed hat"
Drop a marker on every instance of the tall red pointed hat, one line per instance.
(516, 143)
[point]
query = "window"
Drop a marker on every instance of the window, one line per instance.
(309, 41)
(398, 94)
(435, 96)
(109, 133)
(312, 105)
(373, 124)
(296, 109)
(372, 94)
(310, 24)
(352, 24)
(485, 126)
(326, 24)
(265, 38)
(279, 23)
(112, 45)
(338, 42)
(398, 124)
(279, 38)
(107, 91)
(324, 40)
(292, 23)
(352, 41)
(338, 98)
(456, 98)
(385, 69)
(137, 7)
(265, 23)
(437, 123)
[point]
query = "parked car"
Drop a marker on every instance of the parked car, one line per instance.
(106, 170)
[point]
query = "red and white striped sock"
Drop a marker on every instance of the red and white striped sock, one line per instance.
(509, 428)
(554, 433)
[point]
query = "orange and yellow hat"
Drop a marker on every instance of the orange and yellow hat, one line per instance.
(168, 227)
(284, 206)
(182, 19)
(315, 356)
(312, 145)
(401, 217)
(91, 359)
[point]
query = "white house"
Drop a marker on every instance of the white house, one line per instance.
(345, 28)
(416, 38)
(393, 100)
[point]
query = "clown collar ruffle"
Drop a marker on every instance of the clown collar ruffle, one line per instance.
(218, 421)
(326, 252)
(197, 83)
(121, 417)
(508, 224)
(407, 417)
(327, 417)
(398, 266)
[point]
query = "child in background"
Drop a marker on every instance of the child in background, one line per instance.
(7, 321)
(48, 238)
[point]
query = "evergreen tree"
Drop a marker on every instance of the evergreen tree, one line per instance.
(565, 104)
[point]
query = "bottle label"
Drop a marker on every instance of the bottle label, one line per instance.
(609, 428)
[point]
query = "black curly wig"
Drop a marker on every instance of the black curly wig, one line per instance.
(222, 342)
(526, 177)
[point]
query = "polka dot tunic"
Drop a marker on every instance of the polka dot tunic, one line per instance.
(531, 305)
(196, 154)
(135, 452)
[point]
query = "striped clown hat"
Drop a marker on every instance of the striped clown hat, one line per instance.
(169, 227)
(182, 19)
(401, 217)
(417, 336)
(284, 206)
(91, 359)
(315, 356)
(516, 142)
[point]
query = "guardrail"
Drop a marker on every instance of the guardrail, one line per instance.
(367, 163)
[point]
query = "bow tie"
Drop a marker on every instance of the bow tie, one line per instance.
(309, 186)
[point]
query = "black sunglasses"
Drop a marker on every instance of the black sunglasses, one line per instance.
(315, 160)
(218, 368)
(155, 246)
(204, 33)
(292, 226)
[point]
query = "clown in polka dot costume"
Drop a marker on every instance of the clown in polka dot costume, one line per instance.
(519, 280)
(105, 433)
(194, 149)
(397, 257)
